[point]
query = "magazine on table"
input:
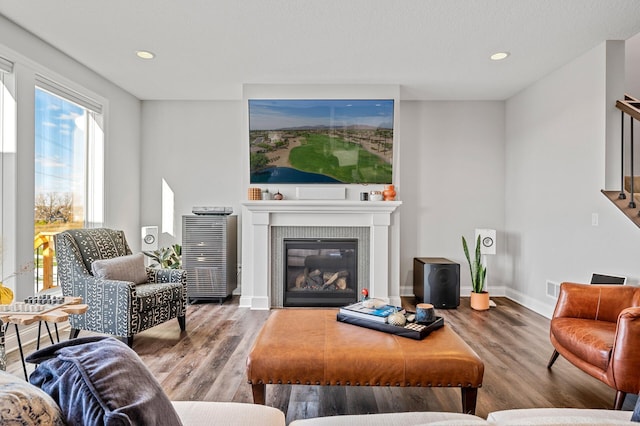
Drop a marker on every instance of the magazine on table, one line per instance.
(376, 314)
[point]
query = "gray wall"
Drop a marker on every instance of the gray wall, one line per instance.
(556, 137)
(452, 173)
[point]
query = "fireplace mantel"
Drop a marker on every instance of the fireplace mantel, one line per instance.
(381, 217)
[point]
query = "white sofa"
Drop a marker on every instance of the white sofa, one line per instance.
(25, 404)
(100, 380)
(230, 414)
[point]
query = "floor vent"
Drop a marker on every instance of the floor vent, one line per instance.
(553, 289)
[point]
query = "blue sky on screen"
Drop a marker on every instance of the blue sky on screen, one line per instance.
(58, 158)
(273, 114)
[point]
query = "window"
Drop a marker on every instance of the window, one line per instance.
(68, 169)
(7, 173)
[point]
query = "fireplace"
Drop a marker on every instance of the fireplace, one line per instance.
(265, 223)
(320, 272)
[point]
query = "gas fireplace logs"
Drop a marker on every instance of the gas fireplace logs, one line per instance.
(318, 280)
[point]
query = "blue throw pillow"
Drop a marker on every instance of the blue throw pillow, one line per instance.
(101, 381)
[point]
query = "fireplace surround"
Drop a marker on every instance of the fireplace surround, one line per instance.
(266, 223)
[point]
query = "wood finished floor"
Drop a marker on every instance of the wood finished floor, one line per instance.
(208, 363)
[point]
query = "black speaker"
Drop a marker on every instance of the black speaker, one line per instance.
(436, 280)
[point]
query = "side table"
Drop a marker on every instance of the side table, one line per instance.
(55, 314)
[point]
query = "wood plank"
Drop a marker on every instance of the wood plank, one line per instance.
(207, 362)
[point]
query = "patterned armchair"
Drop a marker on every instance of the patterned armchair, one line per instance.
(119, 308)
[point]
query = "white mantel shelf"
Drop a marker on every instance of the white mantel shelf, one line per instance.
(259, 216)
(343, 206)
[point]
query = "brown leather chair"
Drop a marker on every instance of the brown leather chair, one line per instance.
(597, 329)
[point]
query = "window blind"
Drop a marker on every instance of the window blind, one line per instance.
(68, 94)
(6, 65)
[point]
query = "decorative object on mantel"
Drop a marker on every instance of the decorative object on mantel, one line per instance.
(375, 196)
(255, 194)
(479, 297)
(389, 193)
(278, 196)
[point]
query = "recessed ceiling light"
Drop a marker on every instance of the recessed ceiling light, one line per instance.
(499, 56)
(145, 54)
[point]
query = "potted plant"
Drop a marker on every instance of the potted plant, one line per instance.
(166, 257)
(479, 297)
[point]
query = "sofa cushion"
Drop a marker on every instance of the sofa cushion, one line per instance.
(395, 419)
(559, 416)
(122, 268)
(100, 380)
(206, 413)
(589, 340)
(157, 294)
(24, 404)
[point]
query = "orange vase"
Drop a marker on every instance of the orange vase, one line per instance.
(389, 193)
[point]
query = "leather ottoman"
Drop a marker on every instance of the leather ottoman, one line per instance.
(310, 347)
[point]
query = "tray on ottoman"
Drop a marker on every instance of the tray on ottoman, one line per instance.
(411, 330)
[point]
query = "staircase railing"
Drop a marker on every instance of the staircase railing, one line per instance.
(629, 107)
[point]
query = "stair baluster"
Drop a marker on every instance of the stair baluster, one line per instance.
(632, 203)
(622, 195)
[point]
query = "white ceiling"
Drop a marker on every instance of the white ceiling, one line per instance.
(434, 49)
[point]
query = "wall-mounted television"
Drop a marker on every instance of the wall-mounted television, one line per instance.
(301, 141)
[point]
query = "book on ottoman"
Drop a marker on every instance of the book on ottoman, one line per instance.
(375, 314)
